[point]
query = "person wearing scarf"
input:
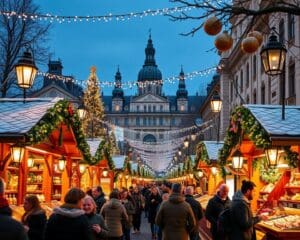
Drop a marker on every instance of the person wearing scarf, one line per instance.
(69, 222)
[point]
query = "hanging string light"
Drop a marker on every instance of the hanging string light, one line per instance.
(97, 18)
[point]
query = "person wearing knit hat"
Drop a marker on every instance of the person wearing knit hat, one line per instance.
(10, 229)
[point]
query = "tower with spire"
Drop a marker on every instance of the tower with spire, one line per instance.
(182, 94)
(117, 93)
(149, 77)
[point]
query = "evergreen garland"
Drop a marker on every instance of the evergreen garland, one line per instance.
(291, 157)
(201, 155)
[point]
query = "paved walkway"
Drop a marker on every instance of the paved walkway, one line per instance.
(145, 233)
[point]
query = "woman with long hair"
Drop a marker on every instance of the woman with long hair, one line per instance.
(129, 205)
(96, 221)
(34, 219)
(153, 203)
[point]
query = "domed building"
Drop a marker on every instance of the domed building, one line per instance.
(150, 113)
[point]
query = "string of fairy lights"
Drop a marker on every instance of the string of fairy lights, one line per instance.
(52, 18)
(131, 84)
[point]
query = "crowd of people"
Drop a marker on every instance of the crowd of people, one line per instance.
(172, 213)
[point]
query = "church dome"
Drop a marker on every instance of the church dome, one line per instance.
(149, 72)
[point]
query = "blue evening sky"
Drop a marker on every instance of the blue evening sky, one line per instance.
(80, 45)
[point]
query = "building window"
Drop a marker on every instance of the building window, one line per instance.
(137, 136)
(281, 31)
(137, 121)
(149, 121)
(161, 121)
(247, 76)
(154, 108)
(173, 122)
(254, 96)
(181, 108)
(126, 122)
(291, 26)
(263, 94)
(241, 81)
(254, 67)
(117, 108)
(145, 108)
(231, 91)
(247, 99)
(145, 121)
(292, 91)
(161, 108)
(154, 121)
(161, 136)
(117, 121)
(236, 86)
(137, 108)
(149, 108)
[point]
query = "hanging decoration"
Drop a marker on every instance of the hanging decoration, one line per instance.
(97, 18)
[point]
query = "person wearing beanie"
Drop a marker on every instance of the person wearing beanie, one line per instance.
(10, 229)
(175, 216)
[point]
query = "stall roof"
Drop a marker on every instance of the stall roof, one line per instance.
(119, 161)
(17, 117)
(212, 148)
(269, 116)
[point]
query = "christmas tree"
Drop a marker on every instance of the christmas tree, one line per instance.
(113, 144)
(92, 123)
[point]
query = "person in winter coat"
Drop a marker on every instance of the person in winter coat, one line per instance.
(241, 214)
(114, 213)
(139, 202)
(34, 219)
(175, 216)
(153, 202)
(96, 221)
(129, 205)
(214, 207)
(197, 210)
(99, 197)
(69, 222)
(10, 229)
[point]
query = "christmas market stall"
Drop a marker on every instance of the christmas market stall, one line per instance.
(41, 146)
(266, 148)
(122, 171)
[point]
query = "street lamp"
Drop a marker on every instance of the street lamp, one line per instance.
(216, 103)
(17, 152)
(272, 156)
(26, 71)
(81, 111)
(237, 160)
(273, 55)
(186, 143)
(105, 172)
(214, 171)
(82, 167)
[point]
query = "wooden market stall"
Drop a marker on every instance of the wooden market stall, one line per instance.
(122, 169)
(41, 144)
(269, 147)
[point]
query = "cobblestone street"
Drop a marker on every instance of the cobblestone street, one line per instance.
(145, 233)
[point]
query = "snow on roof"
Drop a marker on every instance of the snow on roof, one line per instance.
(94, 144)
(119, 161)
(269, 116)
(17, 117)
(212, 148)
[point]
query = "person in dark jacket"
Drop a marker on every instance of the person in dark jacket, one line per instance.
(99, 197)
(214, 207)
(69, 222)
(136, 218)
(153, 203)
(34, 219)
(241, 214)
(129, 204)
(10, 229)
(197, 210)
(175, 216)
(96, 221)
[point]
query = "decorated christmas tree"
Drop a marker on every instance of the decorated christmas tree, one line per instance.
(113, 144)
(92, 123)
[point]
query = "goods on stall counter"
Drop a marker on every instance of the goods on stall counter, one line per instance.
(268, 188)
(294, 181)
(285, 223)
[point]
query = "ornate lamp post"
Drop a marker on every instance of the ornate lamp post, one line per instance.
(17, 152)
(237, 160)
(216, 107)
(272, 156)
(26, 71)
(273, 55)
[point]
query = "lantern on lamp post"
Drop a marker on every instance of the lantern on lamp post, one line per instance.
(237, 160)
(81, 111)
(17, 152)
(272, 156)
(273, 55)
(26, 71)
(216, 103)
(82, 167)
(186, 143)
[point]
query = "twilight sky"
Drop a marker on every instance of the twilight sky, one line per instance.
(80, 45)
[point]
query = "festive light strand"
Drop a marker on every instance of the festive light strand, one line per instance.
(98, 18)
(131, 84)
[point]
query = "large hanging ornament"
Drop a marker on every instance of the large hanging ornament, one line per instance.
(223, 42)
(257, 35)
(249, 45)
(212, 26)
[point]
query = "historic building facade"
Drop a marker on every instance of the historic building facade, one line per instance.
(242, 77)
(150, 113)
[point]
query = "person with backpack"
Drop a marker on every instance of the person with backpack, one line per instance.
(214, 207)
(241, 214)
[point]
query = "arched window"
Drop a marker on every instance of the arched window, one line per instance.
(254, 96)
(241, 81)
(291, 26)
(149, 138)
(281, 31)
(247, 99)
(263, 94)
(254, 67)
(292, 84)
